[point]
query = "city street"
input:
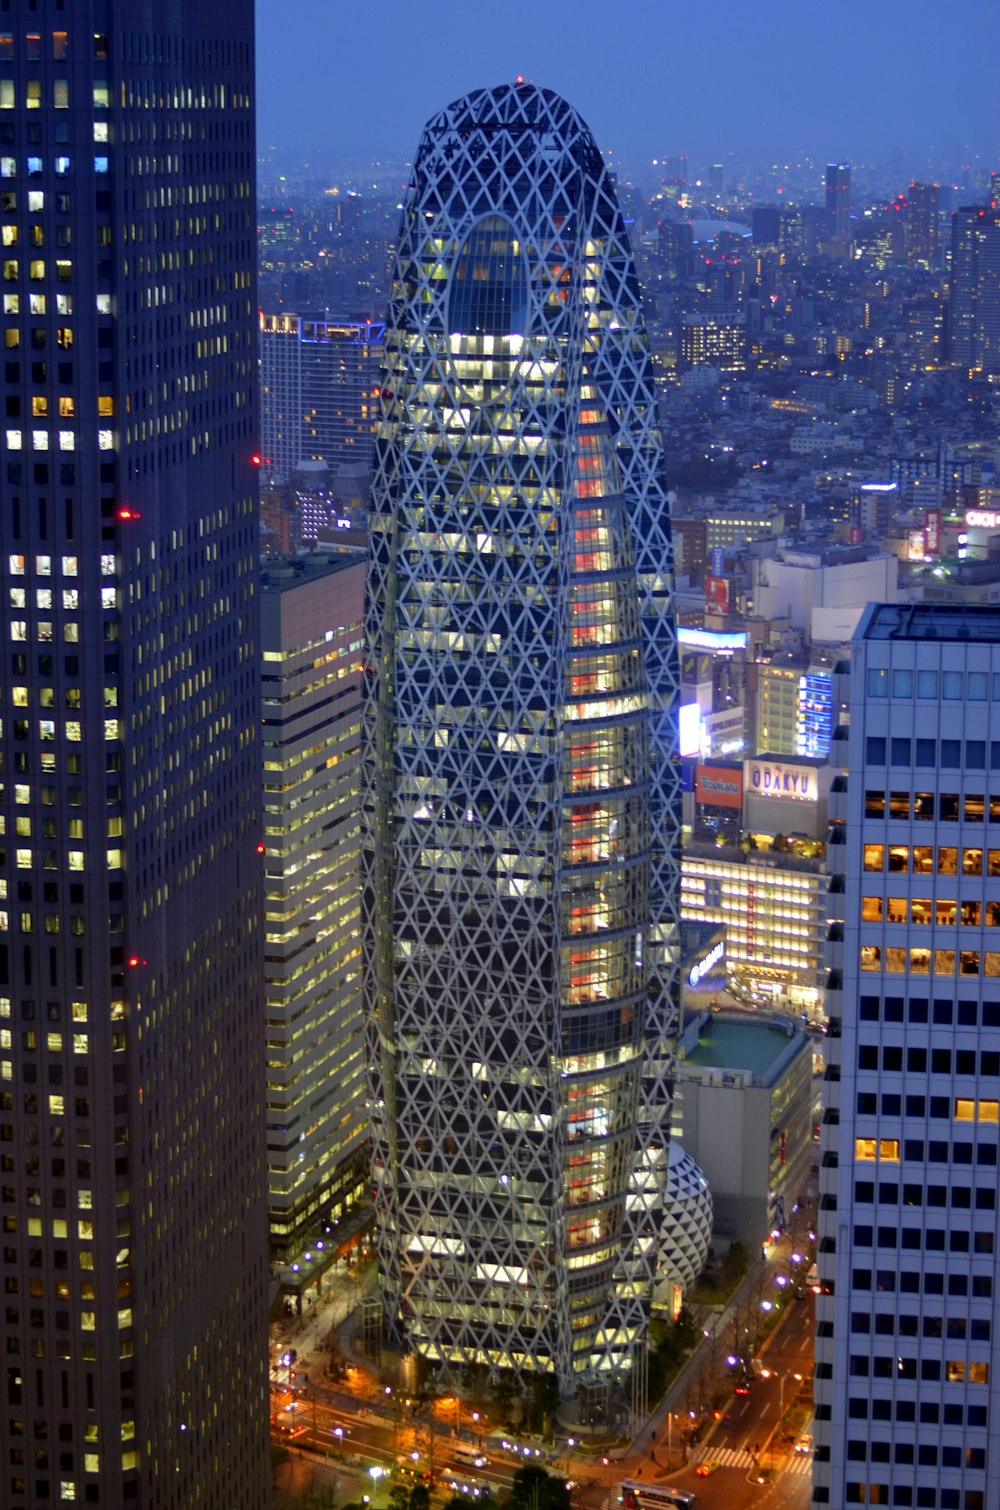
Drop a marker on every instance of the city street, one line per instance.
(380, 1433)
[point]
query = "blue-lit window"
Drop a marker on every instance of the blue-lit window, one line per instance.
(489, 287)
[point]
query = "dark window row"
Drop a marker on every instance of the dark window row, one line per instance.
(910, 1282)
(940, 1011)
(954, 1328)
(923, 1497)
(933, 754)
(959, 1197)
(918, 1060)
(932, 1239)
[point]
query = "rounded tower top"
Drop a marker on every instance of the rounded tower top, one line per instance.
(531, 119)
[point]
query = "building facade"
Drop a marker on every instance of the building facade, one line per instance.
(923, 223)
(524, 816)
(907, 1358)
(134, 1257)
(744, 1109)
(974, 307)
(319, 398)
(838, 201)
(311, 636)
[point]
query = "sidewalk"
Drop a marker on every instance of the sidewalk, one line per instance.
(713, 1319)
(307, 1334)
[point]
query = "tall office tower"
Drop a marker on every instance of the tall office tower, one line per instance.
(311, 635)
(923, 207)
(319, 391)
(974, 307)
(838, 201)
(908, 1348)
(134, 1258)
(524, 825)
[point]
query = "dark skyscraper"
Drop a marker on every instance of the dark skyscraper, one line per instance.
(838, 201)
(974, 308)
(524, 817)
(133, 1186)
(923, 203)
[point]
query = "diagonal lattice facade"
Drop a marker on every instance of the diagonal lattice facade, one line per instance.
(523, 812)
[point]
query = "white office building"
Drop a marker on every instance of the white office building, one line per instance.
(907, 1363)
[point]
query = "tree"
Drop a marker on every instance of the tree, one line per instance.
(420, 1497)
(534, 1489)
(399, 1497)
(543, 1399)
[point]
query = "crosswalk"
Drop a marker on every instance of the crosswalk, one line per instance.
(799, 1464)
(729, 1457)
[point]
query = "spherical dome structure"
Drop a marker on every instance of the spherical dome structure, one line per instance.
(687, 1219)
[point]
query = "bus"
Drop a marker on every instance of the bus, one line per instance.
(469, 1456)
(637, 1495)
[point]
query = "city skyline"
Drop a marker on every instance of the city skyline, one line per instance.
(789, 82)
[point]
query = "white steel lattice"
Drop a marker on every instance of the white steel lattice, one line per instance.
(523, 799)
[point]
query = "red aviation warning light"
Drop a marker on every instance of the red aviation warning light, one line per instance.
(256, 459)
(125, 513)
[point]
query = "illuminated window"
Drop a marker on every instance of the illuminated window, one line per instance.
(884, 1149)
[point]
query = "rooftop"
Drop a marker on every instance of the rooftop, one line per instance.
(284, 572)
(931, 621)
(741, 1043)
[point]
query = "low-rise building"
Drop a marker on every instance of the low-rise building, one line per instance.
(743, 1110)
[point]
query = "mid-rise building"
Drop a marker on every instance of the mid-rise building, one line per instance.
(714, 339)
(134, 1215)
(524, 813)
(311, 636)
(907, 1349)
(777, 703)
(319, 391)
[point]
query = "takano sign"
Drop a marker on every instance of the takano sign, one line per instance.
(772, 778)
(708, 961)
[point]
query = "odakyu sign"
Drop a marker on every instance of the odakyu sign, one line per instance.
(772, 778)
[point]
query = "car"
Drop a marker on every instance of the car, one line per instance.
(705, 1470)
(804, 1443)
(742, 1387)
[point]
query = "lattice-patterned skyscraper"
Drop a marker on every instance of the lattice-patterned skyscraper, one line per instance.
(523, 814)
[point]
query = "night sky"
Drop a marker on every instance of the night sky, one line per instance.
(755, 80)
